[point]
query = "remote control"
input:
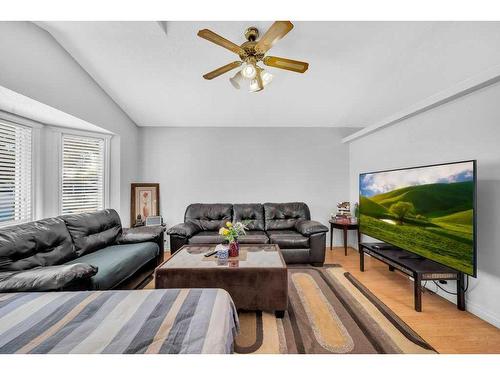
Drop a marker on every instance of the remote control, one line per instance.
(209, 254)
(383, 246)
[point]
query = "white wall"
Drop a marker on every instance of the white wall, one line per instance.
(467, 128)
(241, 165)
(33, 64)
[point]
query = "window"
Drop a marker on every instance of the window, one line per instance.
(15, 173)
(83, 160)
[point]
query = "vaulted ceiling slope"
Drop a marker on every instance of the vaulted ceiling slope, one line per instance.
(360, 72)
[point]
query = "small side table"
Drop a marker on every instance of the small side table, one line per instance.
(344, 227)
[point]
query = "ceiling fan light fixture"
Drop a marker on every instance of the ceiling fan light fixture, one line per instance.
(266, 77)
(236, 80)
(251, 53)
(254, 86)
(249, 71)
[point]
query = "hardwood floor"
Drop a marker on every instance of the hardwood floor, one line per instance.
(447, 329)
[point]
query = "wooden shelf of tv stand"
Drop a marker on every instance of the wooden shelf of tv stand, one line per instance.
(420, 269)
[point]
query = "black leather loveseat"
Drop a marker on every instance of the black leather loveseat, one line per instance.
(77, 252)
(288, 225)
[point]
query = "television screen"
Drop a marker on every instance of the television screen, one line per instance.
(429, 211)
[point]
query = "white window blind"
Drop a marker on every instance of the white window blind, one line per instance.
(82, 174)
(15, 174)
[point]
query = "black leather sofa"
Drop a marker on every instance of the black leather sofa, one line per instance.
(288, 225)
(89, 251)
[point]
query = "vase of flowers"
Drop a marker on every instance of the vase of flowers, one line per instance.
(230, 232)
(234, 248)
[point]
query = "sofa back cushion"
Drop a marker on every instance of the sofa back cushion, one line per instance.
(285, 215)
(209, 216)
(40, 243)
(92, 231)
(251, 213)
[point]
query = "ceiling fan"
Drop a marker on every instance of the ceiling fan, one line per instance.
(251, 53)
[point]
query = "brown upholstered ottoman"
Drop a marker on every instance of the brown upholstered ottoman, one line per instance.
(256, 280)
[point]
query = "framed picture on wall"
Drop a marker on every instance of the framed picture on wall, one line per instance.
(145, 202)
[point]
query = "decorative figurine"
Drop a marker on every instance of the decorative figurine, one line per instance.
(139, 222)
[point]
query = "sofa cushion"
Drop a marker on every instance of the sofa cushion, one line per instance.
(285, 215)
(44, 279)
(252, 214)
(288, 239)
(92, 231)
(254, 237)
(40, 243)
(207, 216)
(207, 237)
(117, 263)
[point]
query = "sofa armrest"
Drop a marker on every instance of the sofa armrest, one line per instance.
(309, 227)
(44, 279)
(144, 234)
(184, 230)
(317, 245)
(140, 234)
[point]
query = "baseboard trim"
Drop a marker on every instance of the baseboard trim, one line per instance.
(487, 316)
(471, 307)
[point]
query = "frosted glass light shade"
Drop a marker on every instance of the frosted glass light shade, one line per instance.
(254, 86)
(236, 80)
(248, 71)
(266, 77)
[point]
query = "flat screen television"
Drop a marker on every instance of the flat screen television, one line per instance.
(428, 210)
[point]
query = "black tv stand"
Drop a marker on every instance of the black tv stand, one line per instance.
(415, 256)
(384, 246)
(417, 267)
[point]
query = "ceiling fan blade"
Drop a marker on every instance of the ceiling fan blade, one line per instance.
(223, 42)
(282, 63)
(223, 69)
(277, 31)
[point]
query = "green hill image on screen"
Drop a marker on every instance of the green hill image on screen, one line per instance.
(433, 220)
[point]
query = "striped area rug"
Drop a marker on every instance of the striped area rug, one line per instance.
(329, 312)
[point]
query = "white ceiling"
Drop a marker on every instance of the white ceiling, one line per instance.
(360, 72)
